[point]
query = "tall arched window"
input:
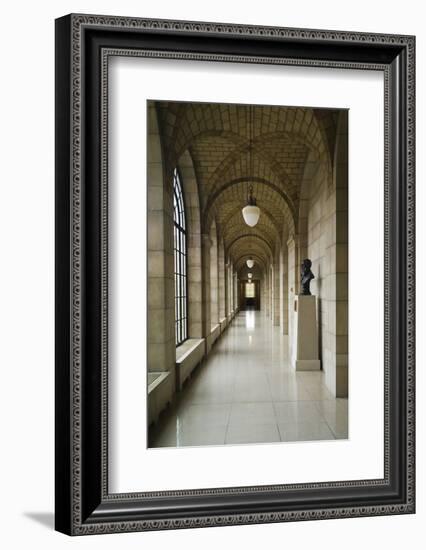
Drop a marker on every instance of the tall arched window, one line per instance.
(181, 294)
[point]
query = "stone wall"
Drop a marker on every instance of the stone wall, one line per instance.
(161, 333)
(340, 177)
(277, 289)
(327, 247)
(214, 278)
(291, 290)
(284, 290)
(221, 275)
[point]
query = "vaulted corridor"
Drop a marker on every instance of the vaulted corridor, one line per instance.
(247, 333)
(246, 392)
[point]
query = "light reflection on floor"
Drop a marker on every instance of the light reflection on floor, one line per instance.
(250, 318)
(246, 392)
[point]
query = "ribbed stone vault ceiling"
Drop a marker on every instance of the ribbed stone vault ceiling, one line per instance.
(226, 162)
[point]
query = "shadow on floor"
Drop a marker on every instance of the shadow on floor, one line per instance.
(47, 519)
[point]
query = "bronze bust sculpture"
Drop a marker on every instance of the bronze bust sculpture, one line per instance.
(306, 277)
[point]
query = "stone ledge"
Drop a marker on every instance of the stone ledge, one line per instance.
(188, 355)
(160, 393)
(155, 379)
(215, 332)
(223, 324)
(212, 337)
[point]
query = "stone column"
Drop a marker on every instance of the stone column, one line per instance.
(214, 285)
(291, 250)
(341, 262)
(235, 288)
(276, 283)
(266, 279)
(161, 335)
(284, 290)
(221, 262)
(231, 290)
(226, 282)
(195, 303)
(194, 286)
(262, 293)
(206, 298)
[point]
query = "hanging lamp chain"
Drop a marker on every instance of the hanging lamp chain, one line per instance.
(251, 140)
(251, 147)
(251, 199)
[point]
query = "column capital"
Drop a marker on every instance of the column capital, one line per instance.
(206, 240)
(291, 241)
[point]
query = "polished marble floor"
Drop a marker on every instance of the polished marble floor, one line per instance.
(247, 392)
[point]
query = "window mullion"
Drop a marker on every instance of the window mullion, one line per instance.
(180, 262)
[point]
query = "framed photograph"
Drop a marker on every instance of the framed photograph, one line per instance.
(234, 274)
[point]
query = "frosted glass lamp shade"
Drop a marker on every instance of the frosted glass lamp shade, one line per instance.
(250, 263)
(251, 214)
(249, 275)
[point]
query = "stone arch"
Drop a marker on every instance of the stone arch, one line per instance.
(236, 165)
(240, 261)
(184, 122)
(214, 276)
(250, 248)
(250, 236)
(226, 221)
(221, 279)
(192, 211)
(238, 188)
(260, 230)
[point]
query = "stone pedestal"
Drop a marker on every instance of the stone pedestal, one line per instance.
(305, 337)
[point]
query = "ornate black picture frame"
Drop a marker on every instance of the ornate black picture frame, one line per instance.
(83, 45)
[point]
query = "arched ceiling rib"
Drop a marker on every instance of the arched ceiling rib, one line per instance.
(264, 229)
(250, 237)
(266, 193)
(256, 271)
(231, 215)
(226, 161)
(249, 245)
(240, 261)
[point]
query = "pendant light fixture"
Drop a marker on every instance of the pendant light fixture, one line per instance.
(251, 212)
(250, 275)
(250, 263)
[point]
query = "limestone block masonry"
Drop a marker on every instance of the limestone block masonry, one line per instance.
(305, 344)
